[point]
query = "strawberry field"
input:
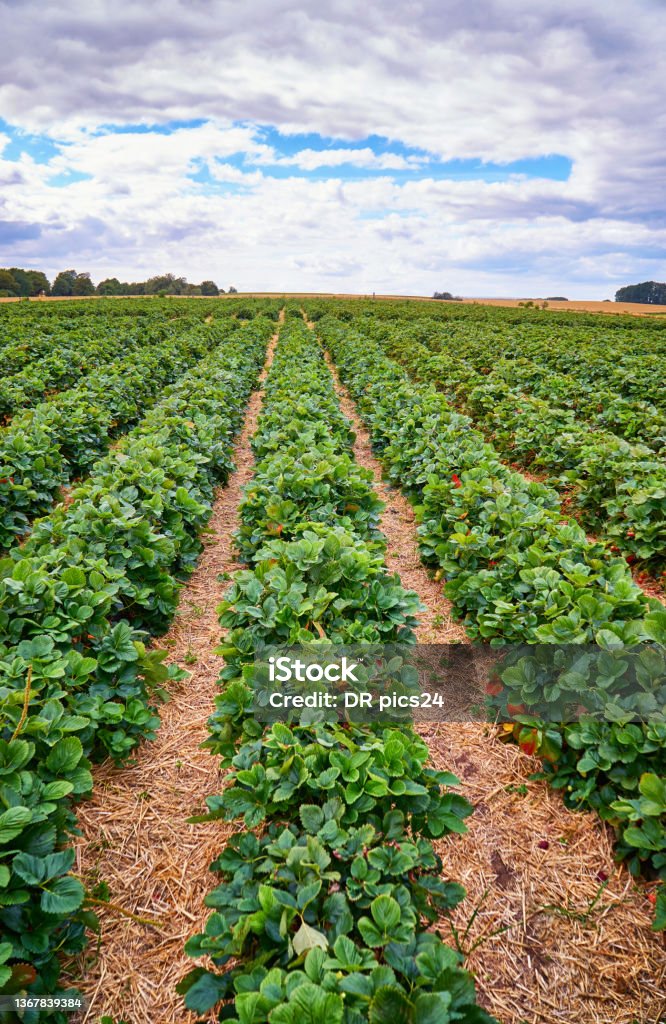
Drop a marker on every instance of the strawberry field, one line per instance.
(519, 454)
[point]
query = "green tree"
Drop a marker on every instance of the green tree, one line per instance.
(8, 285)
(64, 282)
(647, 291)
(22, 280)
(232, 290)
(168, 283)
(209, 288)
(39, 282)
(83, 285)
(110, 286)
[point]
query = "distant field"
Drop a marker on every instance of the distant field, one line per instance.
(573, 306)
(583, 306)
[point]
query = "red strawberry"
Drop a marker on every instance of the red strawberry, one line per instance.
(456, 480)
(529, 744)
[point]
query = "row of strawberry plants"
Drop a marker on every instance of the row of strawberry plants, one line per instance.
(625, 356)
(325, 900)
(592, 402)
(482, 517)
(515, 571)
(46, 447)
(76, 601)
(71, 356)
(475, 361)
(615, 488)
(29, 334)
(626, 359)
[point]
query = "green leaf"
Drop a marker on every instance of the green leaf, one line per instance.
(74, 577)
(386, 913)
(57, 790)
(65, 755)
(63, 896)
(432, 1008)
(12, 823)
(312, 817)
(14, 755)
(654, 790)
(307, 894)
(205, 991)
(309, 1004)
(31, 869)
(390, 1006)
(637, 837)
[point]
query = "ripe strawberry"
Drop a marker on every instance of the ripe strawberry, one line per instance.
(529, 744)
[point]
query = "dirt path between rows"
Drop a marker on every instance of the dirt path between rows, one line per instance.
(135, 832)
(529, 865)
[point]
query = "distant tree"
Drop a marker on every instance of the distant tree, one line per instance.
(64, 282)
(168, 283)
(39, 282)
(22, 280)
(648, 291)
(232, 290)
(16, 281)
(83, 285)
(556, 298)
(110, 286)
(8, 285)
(209, 288)
(442, 295)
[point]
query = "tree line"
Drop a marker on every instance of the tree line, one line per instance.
(18, 283)
(647, 291)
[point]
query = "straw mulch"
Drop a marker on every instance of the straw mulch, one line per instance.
(532, 868)
(135, 833)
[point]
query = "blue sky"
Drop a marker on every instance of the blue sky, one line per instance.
(43, 148)
(499, 149)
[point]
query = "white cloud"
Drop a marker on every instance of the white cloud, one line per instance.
(366, 158)
(498, 80)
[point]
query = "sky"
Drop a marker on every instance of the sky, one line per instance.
(487, 148)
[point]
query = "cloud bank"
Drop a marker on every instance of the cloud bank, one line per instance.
(496, 148)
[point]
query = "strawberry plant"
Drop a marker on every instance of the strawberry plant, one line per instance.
(516, 571)
(323, 915)
(77, 680)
